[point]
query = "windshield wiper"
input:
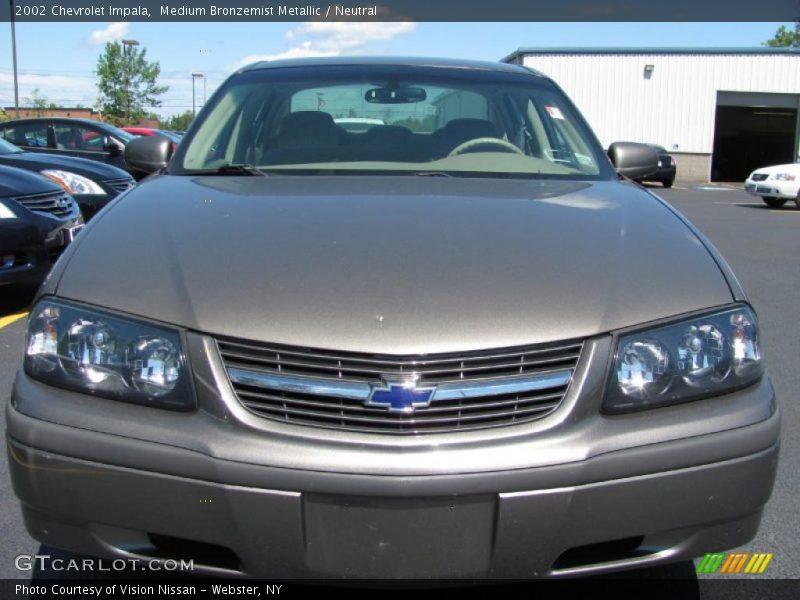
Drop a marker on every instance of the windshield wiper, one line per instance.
(240, 170)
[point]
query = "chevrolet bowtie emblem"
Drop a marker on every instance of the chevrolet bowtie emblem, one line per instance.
(400, 395)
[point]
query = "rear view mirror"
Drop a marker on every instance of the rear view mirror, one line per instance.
(395, 95)
(633, 160)
(148, 154)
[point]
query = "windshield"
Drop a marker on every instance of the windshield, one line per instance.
(394, 119)
(8, 147)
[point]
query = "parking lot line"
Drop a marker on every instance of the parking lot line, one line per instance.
(4, 321)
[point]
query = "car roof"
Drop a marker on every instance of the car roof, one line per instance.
(405, 61)
(67, 119)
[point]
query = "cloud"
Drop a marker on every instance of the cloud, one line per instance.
(304, 50)
(328, 38)
(343, 37)
(112, 33)
(60, 89)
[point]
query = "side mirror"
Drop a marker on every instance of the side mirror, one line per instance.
(633, 160)
(148, 154)
(112, 147)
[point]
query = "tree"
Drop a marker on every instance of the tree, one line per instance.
(38, 102)
(785, 37)
(126, 82)
(178, 122)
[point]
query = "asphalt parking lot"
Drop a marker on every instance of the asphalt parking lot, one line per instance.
(762, 245)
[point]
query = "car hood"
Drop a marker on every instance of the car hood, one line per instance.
(394, 265)
(787, 168)
(92, 169)
(19, 182)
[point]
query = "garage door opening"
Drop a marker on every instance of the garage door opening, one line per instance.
(750, 137)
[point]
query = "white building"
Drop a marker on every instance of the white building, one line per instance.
(720, 111)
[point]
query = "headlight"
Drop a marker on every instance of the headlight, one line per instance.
(73, 183)
(783, 177)
(105, 355)
(6, 213)
(692, 359)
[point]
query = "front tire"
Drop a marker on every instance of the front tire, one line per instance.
(797, 199)
(773, 202)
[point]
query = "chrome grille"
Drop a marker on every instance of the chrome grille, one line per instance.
(330, 389)
(120, 185)
(58, 204)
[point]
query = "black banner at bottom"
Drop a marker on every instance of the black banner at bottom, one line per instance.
(598, 587)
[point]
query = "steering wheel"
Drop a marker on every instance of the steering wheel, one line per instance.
(483, 141)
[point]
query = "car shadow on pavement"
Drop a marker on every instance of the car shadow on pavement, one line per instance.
(788, 207)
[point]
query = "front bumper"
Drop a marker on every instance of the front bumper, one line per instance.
(35, 245)
(772, 189)
(656, 498)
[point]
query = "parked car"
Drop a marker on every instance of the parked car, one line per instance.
(37, 221)
(91, 184)
(69, 137)
(665, 175)
(775, 185)
(471, 350)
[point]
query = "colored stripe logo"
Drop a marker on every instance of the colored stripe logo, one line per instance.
(735, 563)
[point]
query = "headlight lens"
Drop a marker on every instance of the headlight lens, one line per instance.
(783, 177)
(73, 183)
(6, 213)
(695, 358)
(105, 355)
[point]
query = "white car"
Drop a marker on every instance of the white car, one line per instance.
(775, 184)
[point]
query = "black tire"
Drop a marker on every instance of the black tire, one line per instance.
(797, 200)
(668, 183)
(773, 202)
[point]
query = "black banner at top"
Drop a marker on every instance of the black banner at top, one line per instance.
(398, 10)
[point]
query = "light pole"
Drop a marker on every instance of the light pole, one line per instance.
(14, 57)
(127, 45)
(198, 76)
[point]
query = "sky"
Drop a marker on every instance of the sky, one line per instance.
(60, 58)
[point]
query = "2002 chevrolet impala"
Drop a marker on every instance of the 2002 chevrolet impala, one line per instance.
(458, 343)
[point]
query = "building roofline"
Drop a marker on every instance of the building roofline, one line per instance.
(94, 110)
(696, 50)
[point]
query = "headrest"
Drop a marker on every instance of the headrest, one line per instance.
(390, 134)
(306, 121)
(469, 129)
